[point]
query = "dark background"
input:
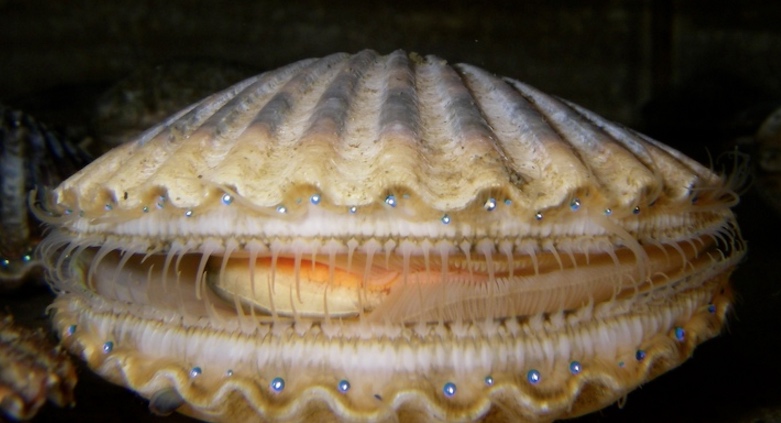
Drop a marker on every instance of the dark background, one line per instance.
(698, 75)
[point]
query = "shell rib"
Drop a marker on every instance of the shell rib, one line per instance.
(355, 128)
(373, 238)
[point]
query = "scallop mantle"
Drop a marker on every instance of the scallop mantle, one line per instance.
(374, 238)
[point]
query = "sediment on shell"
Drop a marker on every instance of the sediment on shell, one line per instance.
(358, 128)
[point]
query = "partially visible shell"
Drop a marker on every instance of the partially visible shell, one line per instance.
(31, 157)
(446, 135)
(152, 93)
(768, 140)
(32, 371)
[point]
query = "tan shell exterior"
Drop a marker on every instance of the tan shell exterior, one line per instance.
(358, 127)
(410, 160)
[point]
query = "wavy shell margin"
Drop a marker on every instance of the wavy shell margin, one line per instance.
(233, 398)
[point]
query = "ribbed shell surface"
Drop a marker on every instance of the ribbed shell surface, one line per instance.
(355, 127)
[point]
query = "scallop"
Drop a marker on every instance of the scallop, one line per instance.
(372, 238)
(31, 156)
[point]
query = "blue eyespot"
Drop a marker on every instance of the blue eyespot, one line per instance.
(277, 384)
(343, 386)
(533, 377)
(195, 371)
(449, 389)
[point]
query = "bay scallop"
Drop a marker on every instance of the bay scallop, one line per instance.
(373, 238)
(31, 156)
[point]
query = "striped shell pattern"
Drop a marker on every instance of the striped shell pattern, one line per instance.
(31, 157)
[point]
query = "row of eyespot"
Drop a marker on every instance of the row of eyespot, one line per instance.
(449, 389)
(6, 262)
(390, 200)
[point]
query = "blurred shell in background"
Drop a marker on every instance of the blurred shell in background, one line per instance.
(768, 159)
(32, 371)
(31, 157)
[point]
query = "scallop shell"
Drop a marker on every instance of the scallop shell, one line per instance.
(31, 157)
(389, 237)
(769, 159)
(34, 371)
